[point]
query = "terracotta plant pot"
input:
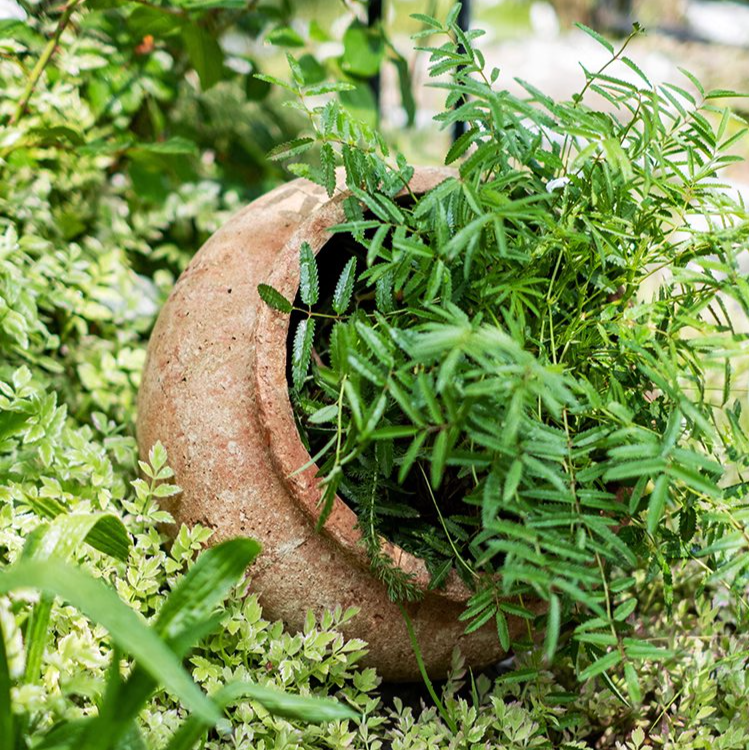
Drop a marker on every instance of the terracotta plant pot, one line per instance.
(214, 392)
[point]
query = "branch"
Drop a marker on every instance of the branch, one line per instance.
(41, 63)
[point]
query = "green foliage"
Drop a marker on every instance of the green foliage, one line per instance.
(106, 192)
(116, 172)
(185, 617)
(274, 299)
(524, 391)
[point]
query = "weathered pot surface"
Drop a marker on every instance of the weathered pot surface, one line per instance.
(214, 392)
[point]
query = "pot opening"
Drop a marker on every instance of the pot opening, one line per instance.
(412, 515)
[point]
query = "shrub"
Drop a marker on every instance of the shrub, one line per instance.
(526, 374)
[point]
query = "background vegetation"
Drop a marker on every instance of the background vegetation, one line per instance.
(128, 136)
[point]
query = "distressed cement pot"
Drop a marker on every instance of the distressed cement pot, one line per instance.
(214, 392)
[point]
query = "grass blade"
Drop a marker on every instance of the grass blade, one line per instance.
(6, 713)
(203, 587)
(102, 605)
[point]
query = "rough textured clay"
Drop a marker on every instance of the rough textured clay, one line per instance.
(214, 392)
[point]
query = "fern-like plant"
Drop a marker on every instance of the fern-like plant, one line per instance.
(527, 373)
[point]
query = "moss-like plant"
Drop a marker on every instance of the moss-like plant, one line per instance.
(526, 374)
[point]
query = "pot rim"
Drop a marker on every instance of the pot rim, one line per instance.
(276, 415)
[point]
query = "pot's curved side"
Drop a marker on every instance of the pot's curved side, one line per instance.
(198, 397)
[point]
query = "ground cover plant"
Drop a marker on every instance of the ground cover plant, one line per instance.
(98, 213)
(492, 389)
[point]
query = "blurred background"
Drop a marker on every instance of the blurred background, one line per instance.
(185, 67)
(535, 40)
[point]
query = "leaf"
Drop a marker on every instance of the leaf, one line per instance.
(632, 66)
(634, 469)
(392, 432)
(609, 661)
(327, 157)
(363, 50)
(633, 683)
(430, 399)
(67, 533)
(301, 351)
(440, 574)
(106, 532)
(284, 36)
(552, 627)
(724, 94)
(208, 4)
(55, 135)
(640, 649)
(309, 284)
(612, 686)
(344, 288)
(202, 588)
(374, 414)
(481, 620)
(452, 17)
(328, 88)
(469, 232)
(296, 71)
(657, 503)
(290, 148)
(299, 707)
(365, 368)
(694, 480)
(36, 636)
(375, 244)
(595, 35)
(205, 55)
(517, 676)
(625, 609)
(145, 20)
(313, 72)
(65, 735)
(503, 631)
(439, 457)
(428, 20)
(295, 707)
(695, 82)
(512, 480)
(687, 523)
(273, 81)
(411, 455)
(274, 298)
(102, 605)
(360, 103)
(380, 205)
(176, 145)
(462, 144)
(323, 415)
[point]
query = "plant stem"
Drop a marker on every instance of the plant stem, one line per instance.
(420, 661)
(444, 525)
(42, 62)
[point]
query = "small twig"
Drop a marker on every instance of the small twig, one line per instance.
(42, 62)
